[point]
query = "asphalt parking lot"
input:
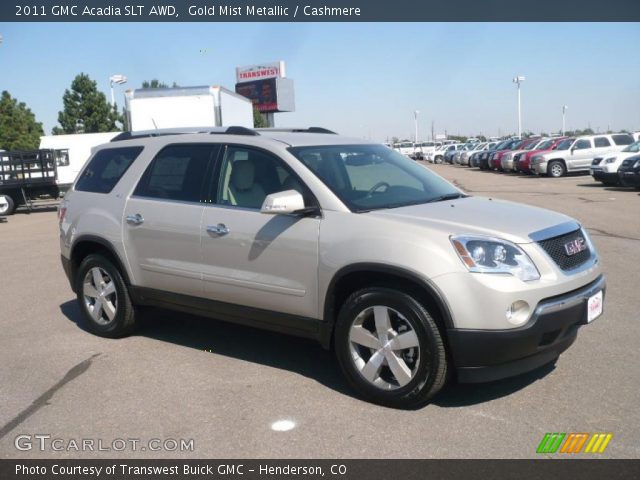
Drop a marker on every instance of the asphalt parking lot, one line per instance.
(224, 386)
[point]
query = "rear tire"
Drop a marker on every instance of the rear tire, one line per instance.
(390, 348)
(103, 298)
(7, 205)
(556, 169)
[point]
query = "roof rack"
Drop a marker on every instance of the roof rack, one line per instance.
(298, 130)
(233, 130)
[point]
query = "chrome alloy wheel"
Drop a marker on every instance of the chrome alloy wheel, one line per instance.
(100, 296)
(384, 347)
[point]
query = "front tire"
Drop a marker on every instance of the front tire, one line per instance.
(556, 169)
(103, 298)
(390, 348)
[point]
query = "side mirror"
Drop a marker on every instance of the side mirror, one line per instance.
(289, 201)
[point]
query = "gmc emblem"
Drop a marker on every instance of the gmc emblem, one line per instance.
(576, 245)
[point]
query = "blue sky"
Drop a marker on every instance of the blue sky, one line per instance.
(361, 79)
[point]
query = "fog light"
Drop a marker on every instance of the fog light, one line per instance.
(518, 312)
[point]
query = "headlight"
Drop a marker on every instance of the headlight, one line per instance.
(637, 164)
(493, 255)
(610, 160)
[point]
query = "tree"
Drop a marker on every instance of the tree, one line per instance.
(86, 109)
(19, 129)
(258, 119)
(155, 83)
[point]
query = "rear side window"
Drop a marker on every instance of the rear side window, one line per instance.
(602, 142)
(106, 168)
(178, 172)
(622, 139)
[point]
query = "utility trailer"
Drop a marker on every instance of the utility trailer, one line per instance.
(26, 176)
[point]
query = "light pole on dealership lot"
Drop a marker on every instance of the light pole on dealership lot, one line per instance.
(415, 117)
(564, 109)
(116, 79)
(518, 80)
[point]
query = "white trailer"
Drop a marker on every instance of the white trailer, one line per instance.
(71, 152)
(162, 108)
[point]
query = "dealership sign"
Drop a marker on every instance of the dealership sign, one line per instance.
(260, 72)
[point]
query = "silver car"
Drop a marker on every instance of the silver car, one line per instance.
(331, 238)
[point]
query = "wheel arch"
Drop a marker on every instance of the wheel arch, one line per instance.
(86, 245)
(361, 275)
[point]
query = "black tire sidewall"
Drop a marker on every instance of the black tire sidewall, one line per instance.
(550, 169)
(419, 387)
(11, 205)
(120, 324)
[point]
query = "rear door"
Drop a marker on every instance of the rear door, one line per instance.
(581, 154)
(255, 259)
(163, 217)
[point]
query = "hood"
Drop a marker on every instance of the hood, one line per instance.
(478, 215)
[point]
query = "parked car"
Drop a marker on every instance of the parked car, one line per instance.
(577, 154)
(495, 162)
(332, 238)
(425, 150)
(474, 158)
(605, 168)
(405, 148)
(629, 172)
(522, 162)
(507, 162)
(465, 158)
(451, 151)
(484, 162)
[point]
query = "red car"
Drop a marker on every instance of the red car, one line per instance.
(524, 161)
(496, 157)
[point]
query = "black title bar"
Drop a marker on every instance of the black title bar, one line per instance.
(320, 11)
(126, 469)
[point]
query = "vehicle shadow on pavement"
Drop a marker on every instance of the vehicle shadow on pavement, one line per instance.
(302, 356)
(464, 395)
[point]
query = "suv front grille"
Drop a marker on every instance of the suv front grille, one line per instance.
(555, 248)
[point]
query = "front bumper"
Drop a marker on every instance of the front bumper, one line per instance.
(603, 176)
(487, 355)
(538, 168)
(629, 178)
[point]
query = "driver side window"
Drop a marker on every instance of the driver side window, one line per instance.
(247, 176)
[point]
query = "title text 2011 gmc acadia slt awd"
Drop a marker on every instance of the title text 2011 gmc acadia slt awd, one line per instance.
(405, 277)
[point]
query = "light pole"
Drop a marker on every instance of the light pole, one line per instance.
(116, 79)
(518, 80)
(415, 118)
(564, 109)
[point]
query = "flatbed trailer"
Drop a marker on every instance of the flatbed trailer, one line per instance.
(26, 176)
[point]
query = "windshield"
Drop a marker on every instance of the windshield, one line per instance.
(633, 148)
(545, 145)
(530, 145)
(370, 177)
(565, 144)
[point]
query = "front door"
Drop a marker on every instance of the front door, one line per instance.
(255, 259)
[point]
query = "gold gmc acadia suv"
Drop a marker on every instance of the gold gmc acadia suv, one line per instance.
(408, 279)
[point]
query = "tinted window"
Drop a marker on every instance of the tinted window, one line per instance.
(178, 172)
(106, 168)
(622, 139)
(602, 142)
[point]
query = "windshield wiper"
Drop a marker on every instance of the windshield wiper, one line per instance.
(448, 196)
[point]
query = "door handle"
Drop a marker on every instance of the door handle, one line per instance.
(220, 229)
(136, 219)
